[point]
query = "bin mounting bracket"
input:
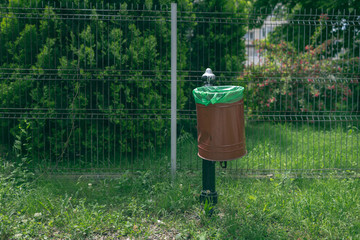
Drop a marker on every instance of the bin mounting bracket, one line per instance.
(223, 164)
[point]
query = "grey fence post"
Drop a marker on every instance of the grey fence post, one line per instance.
(173, 86)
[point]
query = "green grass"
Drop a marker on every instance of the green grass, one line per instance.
(145, 205)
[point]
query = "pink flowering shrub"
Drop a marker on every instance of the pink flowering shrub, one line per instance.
(294, 82)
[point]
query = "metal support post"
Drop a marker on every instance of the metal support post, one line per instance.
(173, 87)
(208, 180)
(208, 167)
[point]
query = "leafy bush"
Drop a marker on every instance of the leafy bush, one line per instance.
(294, 82)
(305, 74)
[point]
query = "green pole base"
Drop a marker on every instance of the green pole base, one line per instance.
(211, 197)
(208, 180)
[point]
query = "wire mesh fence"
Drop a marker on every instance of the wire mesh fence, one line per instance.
(87, 87)
(301, 79)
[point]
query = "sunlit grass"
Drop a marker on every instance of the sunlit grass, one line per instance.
(277, 148)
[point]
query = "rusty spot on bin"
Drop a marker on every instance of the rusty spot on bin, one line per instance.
(221, 131)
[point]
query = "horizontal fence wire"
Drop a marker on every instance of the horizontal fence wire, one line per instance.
(86, 87)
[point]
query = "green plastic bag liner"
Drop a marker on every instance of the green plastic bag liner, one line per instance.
(218, 94)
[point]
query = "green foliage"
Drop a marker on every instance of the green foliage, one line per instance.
(99, 80)
(334, 19)
(350, 5)
(208, 209)
(23, 142)
(315, 70)
(301, 82)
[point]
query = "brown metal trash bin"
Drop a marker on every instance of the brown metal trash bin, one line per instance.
(221, 131)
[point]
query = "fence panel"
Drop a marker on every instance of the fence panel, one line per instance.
(301, 79)
(87, 87)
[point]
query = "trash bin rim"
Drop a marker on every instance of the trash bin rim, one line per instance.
(219, 89)
(206, 95)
